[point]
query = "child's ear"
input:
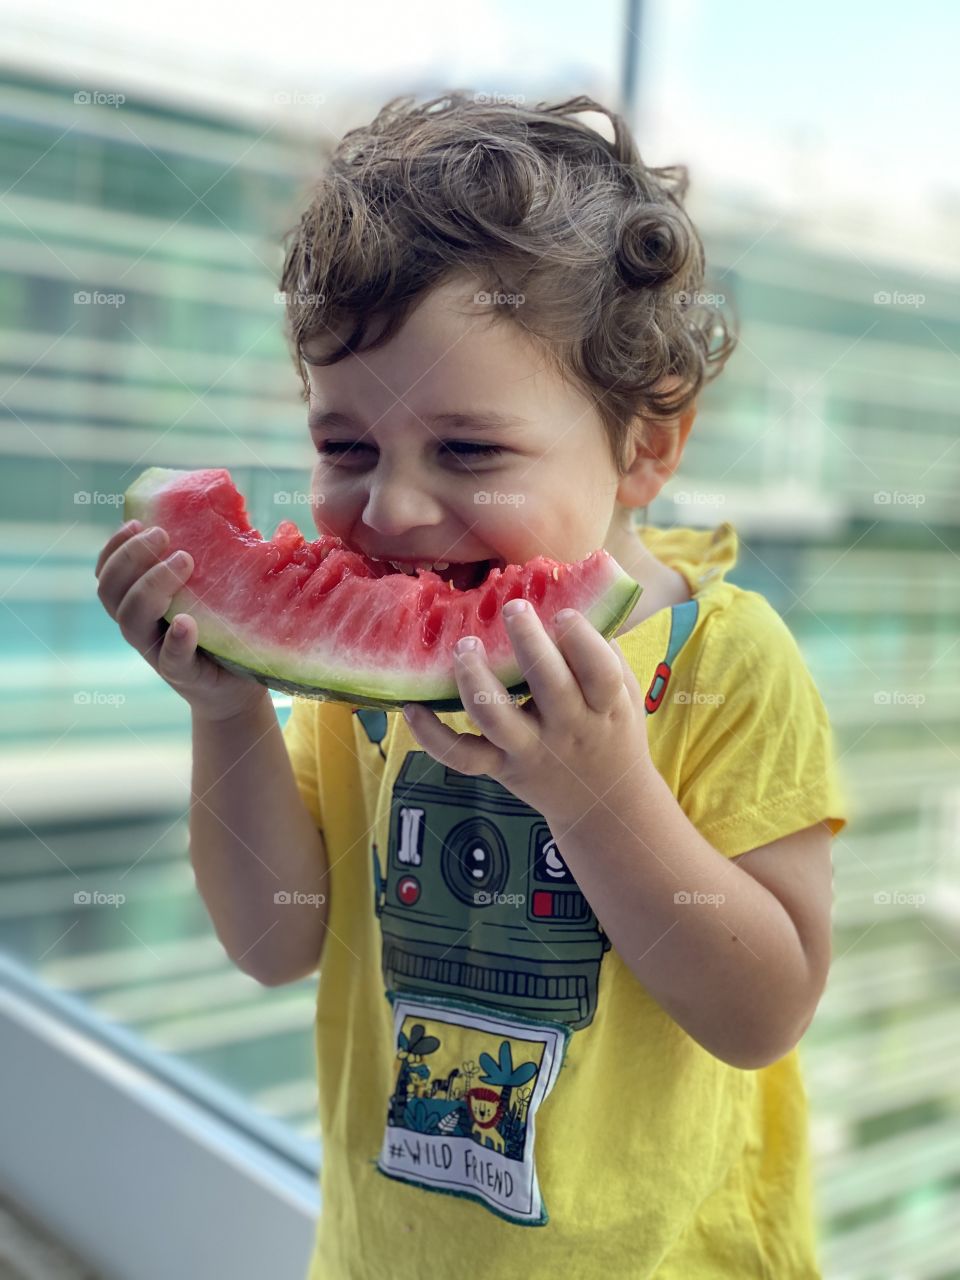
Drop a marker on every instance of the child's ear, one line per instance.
(656, 448)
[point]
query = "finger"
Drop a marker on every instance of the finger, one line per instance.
(543, 665)
(468, 753)
(593, 663)
(115, 540)
(178, 647)
(488, 703)
(141, 609)
(126, 563)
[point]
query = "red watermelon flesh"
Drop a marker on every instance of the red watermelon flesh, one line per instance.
(318, 619)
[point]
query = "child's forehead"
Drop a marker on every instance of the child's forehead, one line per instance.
(459, 311)
(438, 358)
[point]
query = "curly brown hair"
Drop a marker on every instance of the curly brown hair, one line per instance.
(532, 204)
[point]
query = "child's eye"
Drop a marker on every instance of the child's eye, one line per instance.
(466, 448)
(472, 450)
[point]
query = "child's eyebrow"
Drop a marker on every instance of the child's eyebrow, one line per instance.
(467, 420)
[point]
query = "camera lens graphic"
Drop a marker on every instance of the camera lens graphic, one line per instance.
(474, 861)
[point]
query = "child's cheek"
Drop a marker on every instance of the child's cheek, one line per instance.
(322, 510)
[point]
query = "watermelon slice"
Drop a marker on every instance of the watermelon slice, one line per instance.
(323, 621)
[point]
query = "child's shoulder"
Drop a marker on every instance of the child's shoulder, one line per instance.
(742, 669)
(741, 629)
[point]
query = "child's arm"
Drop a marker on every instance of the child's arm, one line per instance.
(739, 966)
(252, 837)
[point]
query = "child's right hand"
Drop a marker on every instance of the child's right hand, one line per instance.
(137, 583)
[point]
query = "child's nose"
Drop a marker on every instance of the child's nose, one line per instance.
(396, 504)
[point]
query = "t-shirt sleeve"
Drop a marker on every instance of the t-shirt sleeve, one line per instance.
(758, 759)
(300, 736)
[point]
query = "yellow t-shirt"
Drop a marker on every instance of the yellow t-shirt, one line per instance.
(473, 1022)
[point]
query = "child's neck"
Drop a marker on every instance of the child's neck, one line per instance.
(662, 586)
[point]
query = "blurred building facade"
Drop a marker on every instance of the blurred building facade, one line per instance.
(140, 327)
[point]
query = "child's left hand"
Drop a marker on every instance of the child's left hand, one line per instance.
(580, 732)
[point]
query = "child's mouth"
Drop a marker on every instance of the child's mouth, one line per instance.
(465, 577)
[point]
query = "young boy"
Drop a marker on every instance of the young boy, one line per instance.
(623, 882)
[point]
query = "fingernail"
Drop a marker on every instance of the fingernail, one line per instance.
(179, 628)
(514, 606)
(130, 526)
(156, 536)
(565, 615)
(467, 643)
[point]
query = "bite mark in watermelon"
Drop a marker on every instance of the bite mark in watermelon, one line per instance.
(322, 621)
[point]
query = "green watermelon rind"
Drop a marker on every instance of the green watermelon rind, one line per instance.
(607, 612)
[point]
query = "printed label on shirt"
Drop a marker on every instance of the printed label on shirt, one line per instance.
(467, 1087)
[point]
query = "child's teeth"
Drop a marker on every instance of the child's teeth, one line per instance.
(411, 569)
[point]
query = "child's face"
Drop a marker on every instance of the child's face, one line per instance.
(417, 488)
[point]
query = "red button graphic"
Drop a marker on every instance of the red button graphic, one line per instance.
(408, 890)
